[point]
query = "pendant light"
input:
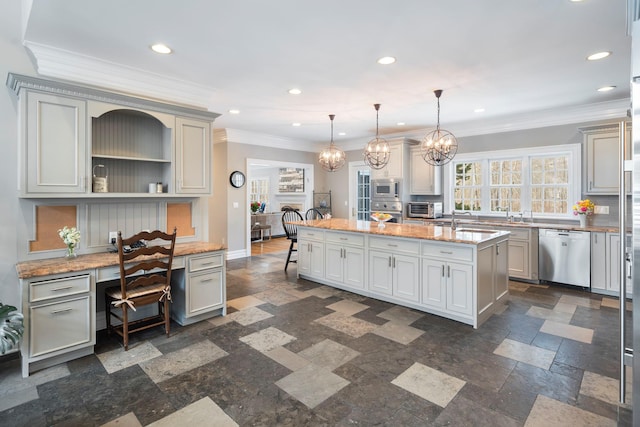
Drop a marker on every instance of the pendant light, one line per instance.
(376, 153)
(331, 158)
(439, 147)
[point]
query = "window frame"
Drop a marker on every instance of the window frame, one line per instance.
(572, 151)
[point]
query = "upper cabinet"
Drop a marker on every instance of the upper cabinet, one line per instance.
(602, 170)
(398, 161)
(425, 179)
(71, 133)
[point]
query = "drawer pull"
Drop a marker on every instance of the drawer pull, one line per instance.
(64, 288)
(208, 263)
(343, 238)
(392, 245)
(64, 310)
(442, 270)
(446, 252)
(206, 280)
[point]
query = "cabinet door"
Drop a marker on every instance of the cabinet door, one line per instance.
(55, 144)
(425, 179)
(501, 272)
(459, 288)
(193, 156)
(304, 257)
(614, 269)
(433, 284)
(334, 265)
(317, 259)
(599, 277)
(353, 267)
(380, 272)
(405, 277)
(205, 291)
(602, 161)
(519, 259)
(60, 325)
(393, 169)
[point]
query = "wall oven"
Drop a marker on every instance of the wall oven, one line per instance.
(386, 189)
(392, 208)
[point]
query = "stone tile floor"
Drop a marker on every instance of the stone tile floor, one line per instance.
(294, 353)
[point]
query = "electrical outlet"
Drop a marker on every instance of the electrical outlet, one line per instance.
(602, 210)
(113, 237)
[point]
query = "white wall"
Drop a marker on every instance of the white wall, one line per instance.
(14, 59)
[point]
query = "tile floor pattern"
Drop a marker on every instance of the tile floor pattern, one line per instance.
(293, 353)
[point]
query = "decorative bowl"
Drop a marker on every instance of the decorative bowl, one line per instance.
(381, 218)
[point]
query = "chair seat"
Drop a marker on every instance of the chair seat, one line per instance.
(116, 292)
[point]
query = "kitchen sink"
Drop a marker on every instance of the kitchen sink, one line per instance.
(473, 230)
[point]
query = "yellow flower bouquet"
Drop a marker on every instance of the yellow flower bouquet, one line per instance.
(584, 207)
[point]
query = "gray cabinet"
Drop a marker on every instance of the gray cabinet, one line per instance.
(55, 140)
(193, 156)
(602, 159)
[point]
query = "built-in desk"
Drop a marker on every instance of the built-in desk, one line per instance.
(62, 309)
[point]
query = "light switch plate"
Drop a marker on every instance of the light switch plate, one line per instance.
(602, 210)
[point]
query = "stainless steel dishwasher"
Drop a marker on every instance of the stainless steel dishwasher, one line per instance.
(565, 257)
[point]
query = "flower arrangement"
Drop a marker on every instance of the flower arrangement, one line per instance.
(71, 238)
(584, 207)
(255, 206)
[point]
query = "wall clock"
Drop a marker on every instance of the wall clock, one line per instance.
(237, 179)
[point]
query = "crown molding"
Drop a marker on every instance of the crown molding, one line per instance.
(255, 138)
(71, 66)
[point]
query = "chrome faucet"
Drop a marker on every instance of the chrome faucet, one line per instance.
(453, 217)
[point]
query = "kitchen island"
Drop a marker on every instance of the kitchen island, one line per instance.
(458, 274)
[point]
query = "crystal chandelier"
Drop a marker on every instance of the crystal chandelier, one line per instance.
(439, 147)
(331, 158)
(376, 153)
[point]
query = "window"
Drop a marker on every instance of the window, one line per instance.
(259, 190)
(542, 180)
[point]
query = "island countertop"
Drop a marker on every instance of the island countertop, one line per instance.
(463, 234)
(48, 266)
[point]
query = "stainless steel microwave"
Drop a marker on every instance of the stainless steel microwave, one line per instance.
(424, 210)
(386, 189)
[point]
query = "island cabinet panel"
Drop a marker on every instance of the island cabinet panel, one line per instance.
(434, 286)
(380, 272)
(405, 277)
(460, 288)
(344, 259)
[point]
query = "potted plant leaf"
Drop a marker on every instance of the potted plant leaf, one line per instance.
(11, 327)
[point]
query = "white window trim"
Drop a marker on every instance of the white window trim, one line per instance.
(575, 167)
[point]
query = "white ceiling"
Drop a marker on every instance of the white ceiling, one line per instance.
(513, 58)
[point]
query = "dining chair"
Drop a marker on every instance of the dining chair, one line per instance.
(313, 213)
(145, 279)
(291, 230)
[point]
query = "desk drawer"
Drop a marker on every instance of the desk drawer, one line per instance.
(449, 252)
(197, 263)
(49, 289)
(310, 234)
(345, 238)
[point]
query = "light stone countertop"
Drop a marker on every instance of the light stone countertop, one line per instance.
(465, 222)
(413, 231)
(45, 267)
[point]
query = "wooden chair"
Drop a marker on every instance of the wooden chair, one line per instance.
(139, 289)
(313, 213)
(291, 230)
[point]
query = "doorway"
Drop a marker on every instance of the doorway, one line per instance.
(359, 191)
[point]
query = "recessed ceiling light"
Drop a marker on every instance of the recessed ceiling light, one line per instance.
(386, 60)
(342, 133)
(606, 88)
(598, 55)
(400, 124)
(479, 110)
(296, 124)
(161, 48)
(295, 91)
(234, 111)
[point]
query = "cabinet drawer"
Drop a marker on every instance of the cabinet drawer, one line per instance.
(345, 238)
(450, 252)
(197, 263)
(310, 234)
(395, 245)
(205, 292)
(517, 233)
(49, 289)
(60, 325)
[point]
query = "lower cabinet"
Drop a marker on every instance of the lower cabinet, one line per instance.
(311, 258)
(605, 264)
(394, 267)
(201, 293)
(447, 286)
(59, 320)
(345, 265)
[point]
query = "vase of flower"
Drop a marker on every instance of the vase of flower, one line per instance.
(583, 220)
(71, 238)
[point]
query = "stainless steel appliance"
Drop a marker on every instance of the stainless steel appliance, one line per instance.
(386, 189)
(424, 209)
(392, 208)
(564, 256)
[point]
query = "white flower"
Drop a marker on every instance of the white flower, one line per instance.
(70, 236)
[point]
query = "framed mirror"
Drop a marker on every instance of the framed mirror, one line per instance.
(237, 179)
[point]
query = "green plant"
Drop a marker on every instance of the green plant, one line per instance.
(11, 327)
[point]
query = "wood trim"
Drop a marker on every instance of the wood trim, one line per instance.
(48, 220)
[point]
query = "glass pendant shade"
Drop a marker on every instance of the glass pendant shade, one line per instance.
(440, 146)
(331, 158)
(376, 153)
